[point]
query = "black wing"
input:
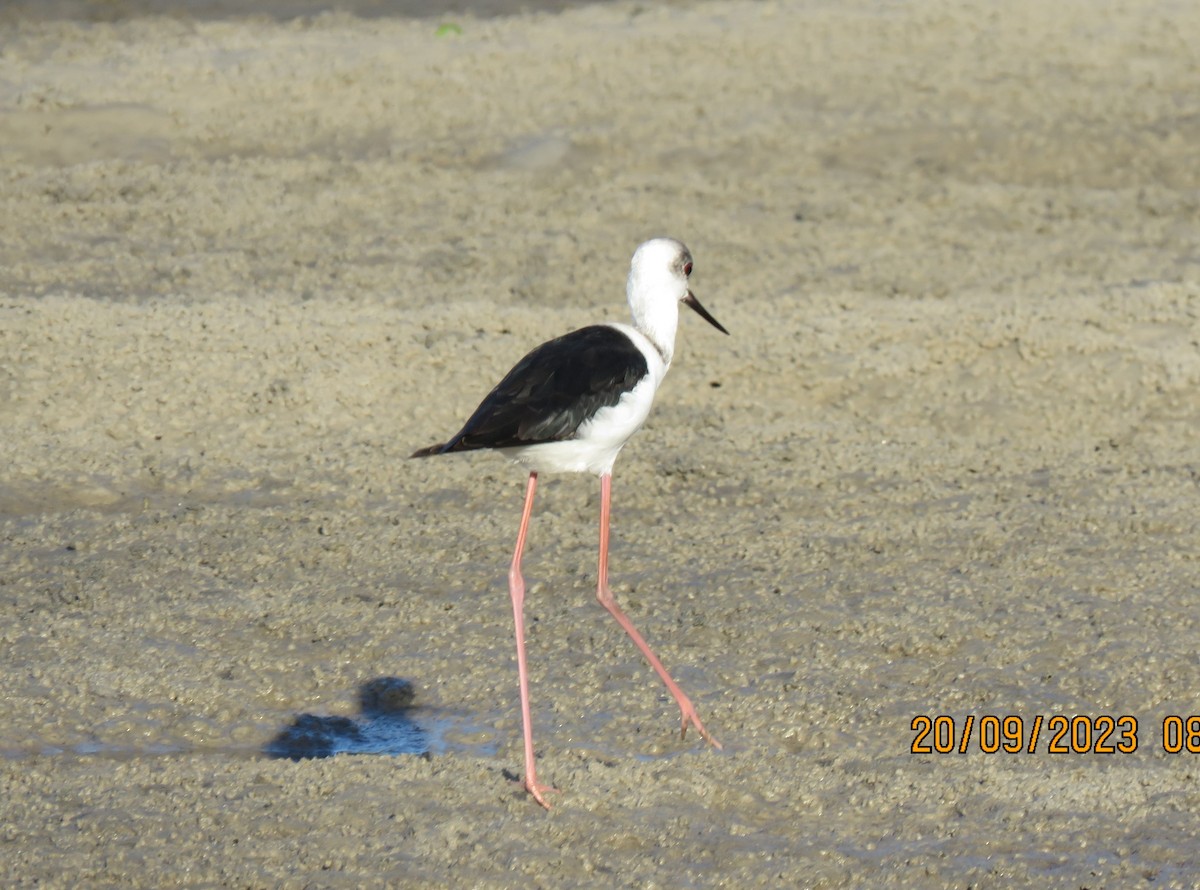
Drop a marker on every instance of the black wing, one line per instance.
(551, 392)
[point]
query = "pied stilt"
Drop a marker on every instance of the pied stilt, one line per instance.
(570, 405)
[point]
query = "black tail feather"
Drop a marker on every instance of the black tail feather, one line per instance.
(428, 452)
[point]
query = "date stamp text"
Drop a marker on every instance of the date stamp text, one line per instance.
(1057, 734)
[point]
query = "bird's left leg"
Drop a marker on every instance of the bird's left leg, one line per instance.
(516, 590)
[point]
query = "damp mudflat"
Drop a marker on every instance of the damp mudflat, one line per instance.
(918, 538)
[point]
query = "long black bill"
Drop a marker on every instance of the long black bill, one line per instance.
(691, 300)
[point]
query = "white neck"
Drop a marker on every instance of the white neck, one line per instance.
(654, 302)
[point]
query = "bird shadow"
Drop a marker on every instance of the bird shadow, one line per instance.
(385, 725)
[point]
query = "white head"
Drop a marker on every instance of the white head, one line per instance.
(658, 283)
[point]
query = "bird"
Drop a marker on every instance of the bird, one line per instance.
(570, 405)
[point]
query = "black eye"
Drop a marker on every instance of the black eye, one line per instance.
(687, 268)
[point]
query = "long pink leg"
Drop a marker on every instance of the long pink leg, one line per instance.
(688, 713)
(516, 590)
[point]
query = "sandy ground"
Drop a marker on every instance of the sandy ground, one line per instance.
(946, 464)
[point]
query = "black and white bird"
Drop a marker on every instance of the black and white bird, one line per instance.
(571, 405)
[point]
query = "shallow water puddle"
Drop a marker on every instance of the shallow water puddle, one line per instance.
(387, 723)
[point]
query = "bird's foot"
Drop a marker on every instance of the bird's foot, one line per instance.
(689, 716)
(537, 790)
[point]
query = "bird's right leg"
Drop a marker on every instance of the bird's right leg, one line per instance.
(516, 590)
(688, 715)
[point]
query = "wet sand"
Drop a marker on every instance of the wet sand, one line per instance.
(946, 464)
